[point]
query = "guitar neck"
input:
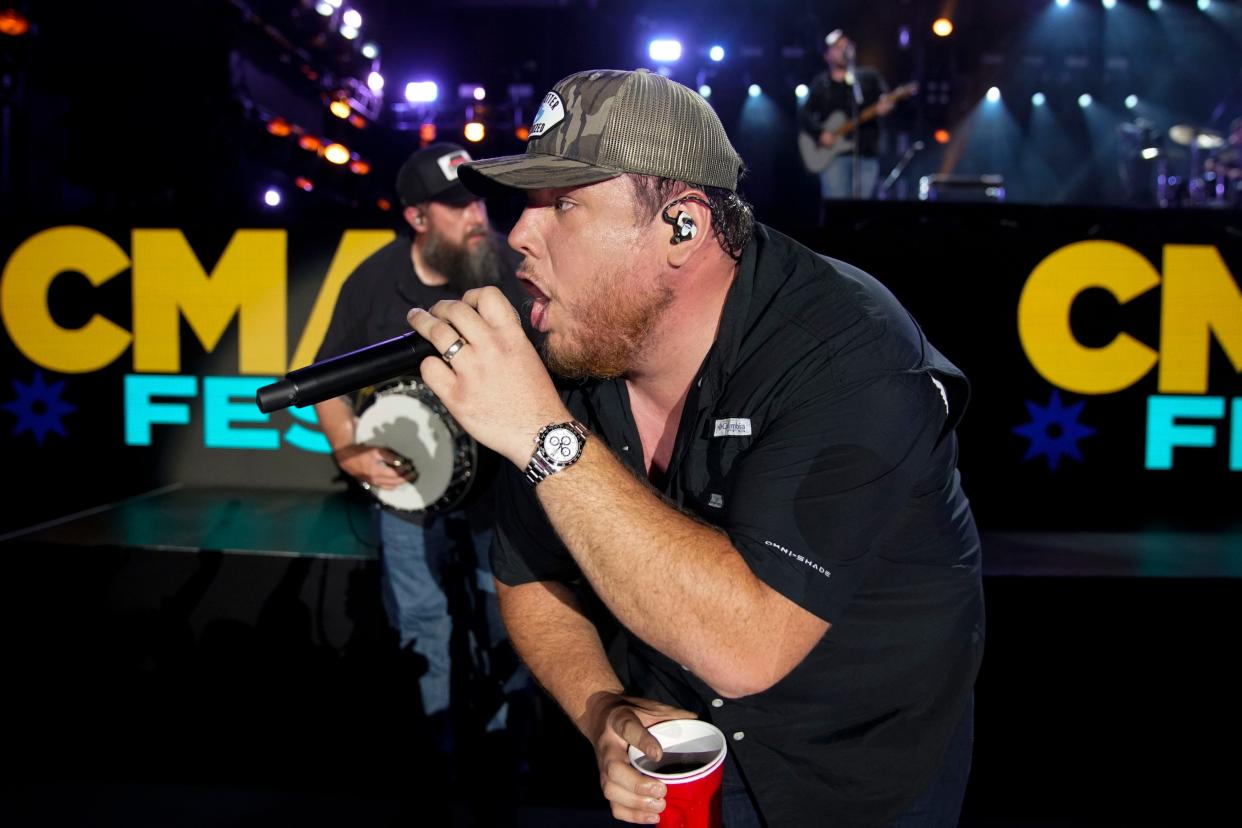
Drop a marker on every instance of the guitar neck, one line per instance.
(866, 115)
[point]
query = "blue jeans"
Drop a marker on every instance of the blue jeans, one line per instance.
(940, 806)
(419, 567)
(837, 179)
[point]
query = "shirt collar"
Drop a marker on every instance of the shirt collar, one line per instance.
(735, 319)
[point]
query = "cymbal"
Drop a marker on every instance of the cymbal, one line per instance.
(1185, 134)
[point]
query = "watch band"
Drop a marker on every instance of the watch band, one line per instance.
(541, 466)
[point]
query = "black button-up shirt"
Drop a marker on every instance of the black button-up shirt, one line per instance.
(819, 437)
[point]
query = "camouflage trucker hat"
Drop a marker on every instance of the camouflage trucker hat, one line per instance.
(598, 124)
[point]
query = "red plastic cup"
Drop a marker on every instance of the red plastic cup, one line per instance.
(691, 769)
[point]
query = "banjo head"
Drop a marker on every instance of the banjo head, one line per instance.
(406, 418)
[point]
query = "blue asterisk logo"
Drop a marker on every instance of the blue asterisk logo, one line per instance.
(1054, 431)
(38, 407)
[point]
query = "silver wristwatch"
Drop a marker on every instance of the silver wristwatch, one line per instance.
(557, 447)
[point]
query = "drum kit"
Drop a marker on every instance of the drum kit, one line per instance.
(1194, 166)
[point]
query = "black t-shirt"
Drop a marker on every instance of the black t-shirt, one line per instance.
(820, 437)
(827, 96)
(372, 307)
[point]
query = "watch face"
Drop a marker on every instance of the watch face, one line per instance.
(560, 445)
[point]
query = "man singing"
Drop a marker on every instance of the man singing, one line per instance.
(745, 469)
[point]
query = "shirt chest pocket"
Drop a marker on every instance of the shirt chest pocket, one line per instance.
(709, 468)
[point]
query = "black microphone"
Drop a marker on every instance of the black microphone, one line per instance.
(346, 373)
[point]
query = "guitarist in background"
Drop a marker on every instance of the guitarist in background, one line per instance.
(834, 93)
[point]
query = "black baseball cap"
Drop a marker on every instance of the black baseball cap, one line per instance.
(431, 175)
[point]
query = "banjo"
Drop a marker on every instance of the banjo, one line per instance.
(410, 421)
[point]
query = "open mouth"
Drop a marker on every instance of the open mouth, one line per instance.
(537, 305)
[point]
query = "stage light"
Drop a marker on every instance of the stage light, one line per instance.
(664, 51)
(1109, 4)
(716, 53)
(358, 121)
(943, 27)
(352, 18)
(993, 95)
(801, 91)
(359, 167)
(754, 90)
(1204, 5)
(427, 133)
(1154, 5)
(376, 82)
(1131, 101)
(1038, 99)
(479, 93)
(336, 153)
(1150, 153)
(272, 197)
(348, 32)
(705, 91)
(384, 204)
(1062, 3)
(1084, 100)
(370, 51)
(522, 133)
(325, 8)
(13, 23)
(421, 91)
(474, 131)
(942, 136)
(304, 183)
(903, 37)
(279, 127)
(339, 108)
(310, 143)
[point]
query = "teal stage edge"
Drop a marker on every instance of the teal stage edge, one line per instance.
(246, 521)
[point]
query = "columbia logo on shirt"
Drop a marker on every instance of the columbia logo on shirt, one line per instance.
(732, 427)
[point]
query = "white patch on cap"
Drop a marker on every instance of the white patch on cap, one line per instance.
(449, 163)
(943, 396)
(551, 112)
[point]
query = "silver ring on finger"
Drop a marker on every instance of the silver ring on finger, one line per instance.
(451, 351)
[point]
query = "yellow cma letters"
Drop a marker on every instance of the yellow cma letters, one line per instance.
(1044, 317)
(248, 282)
(1199, 298)
(355, 247)
(30, 271)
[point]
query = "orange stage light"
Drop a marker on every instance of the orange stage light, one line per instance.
(522, 133)
(943, 27)
(279, 127)
(942, 136)
(359, 167)
(13, 24)
(310, 143)
(304, 183)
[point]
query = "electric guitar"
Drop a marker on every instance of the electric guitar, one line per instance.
(816, 157)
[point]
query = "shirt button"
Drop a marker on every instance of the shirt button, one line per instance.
(717, 703)
(739, 736)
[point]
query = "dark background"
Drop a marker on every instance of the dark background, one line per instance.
(211, 679)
